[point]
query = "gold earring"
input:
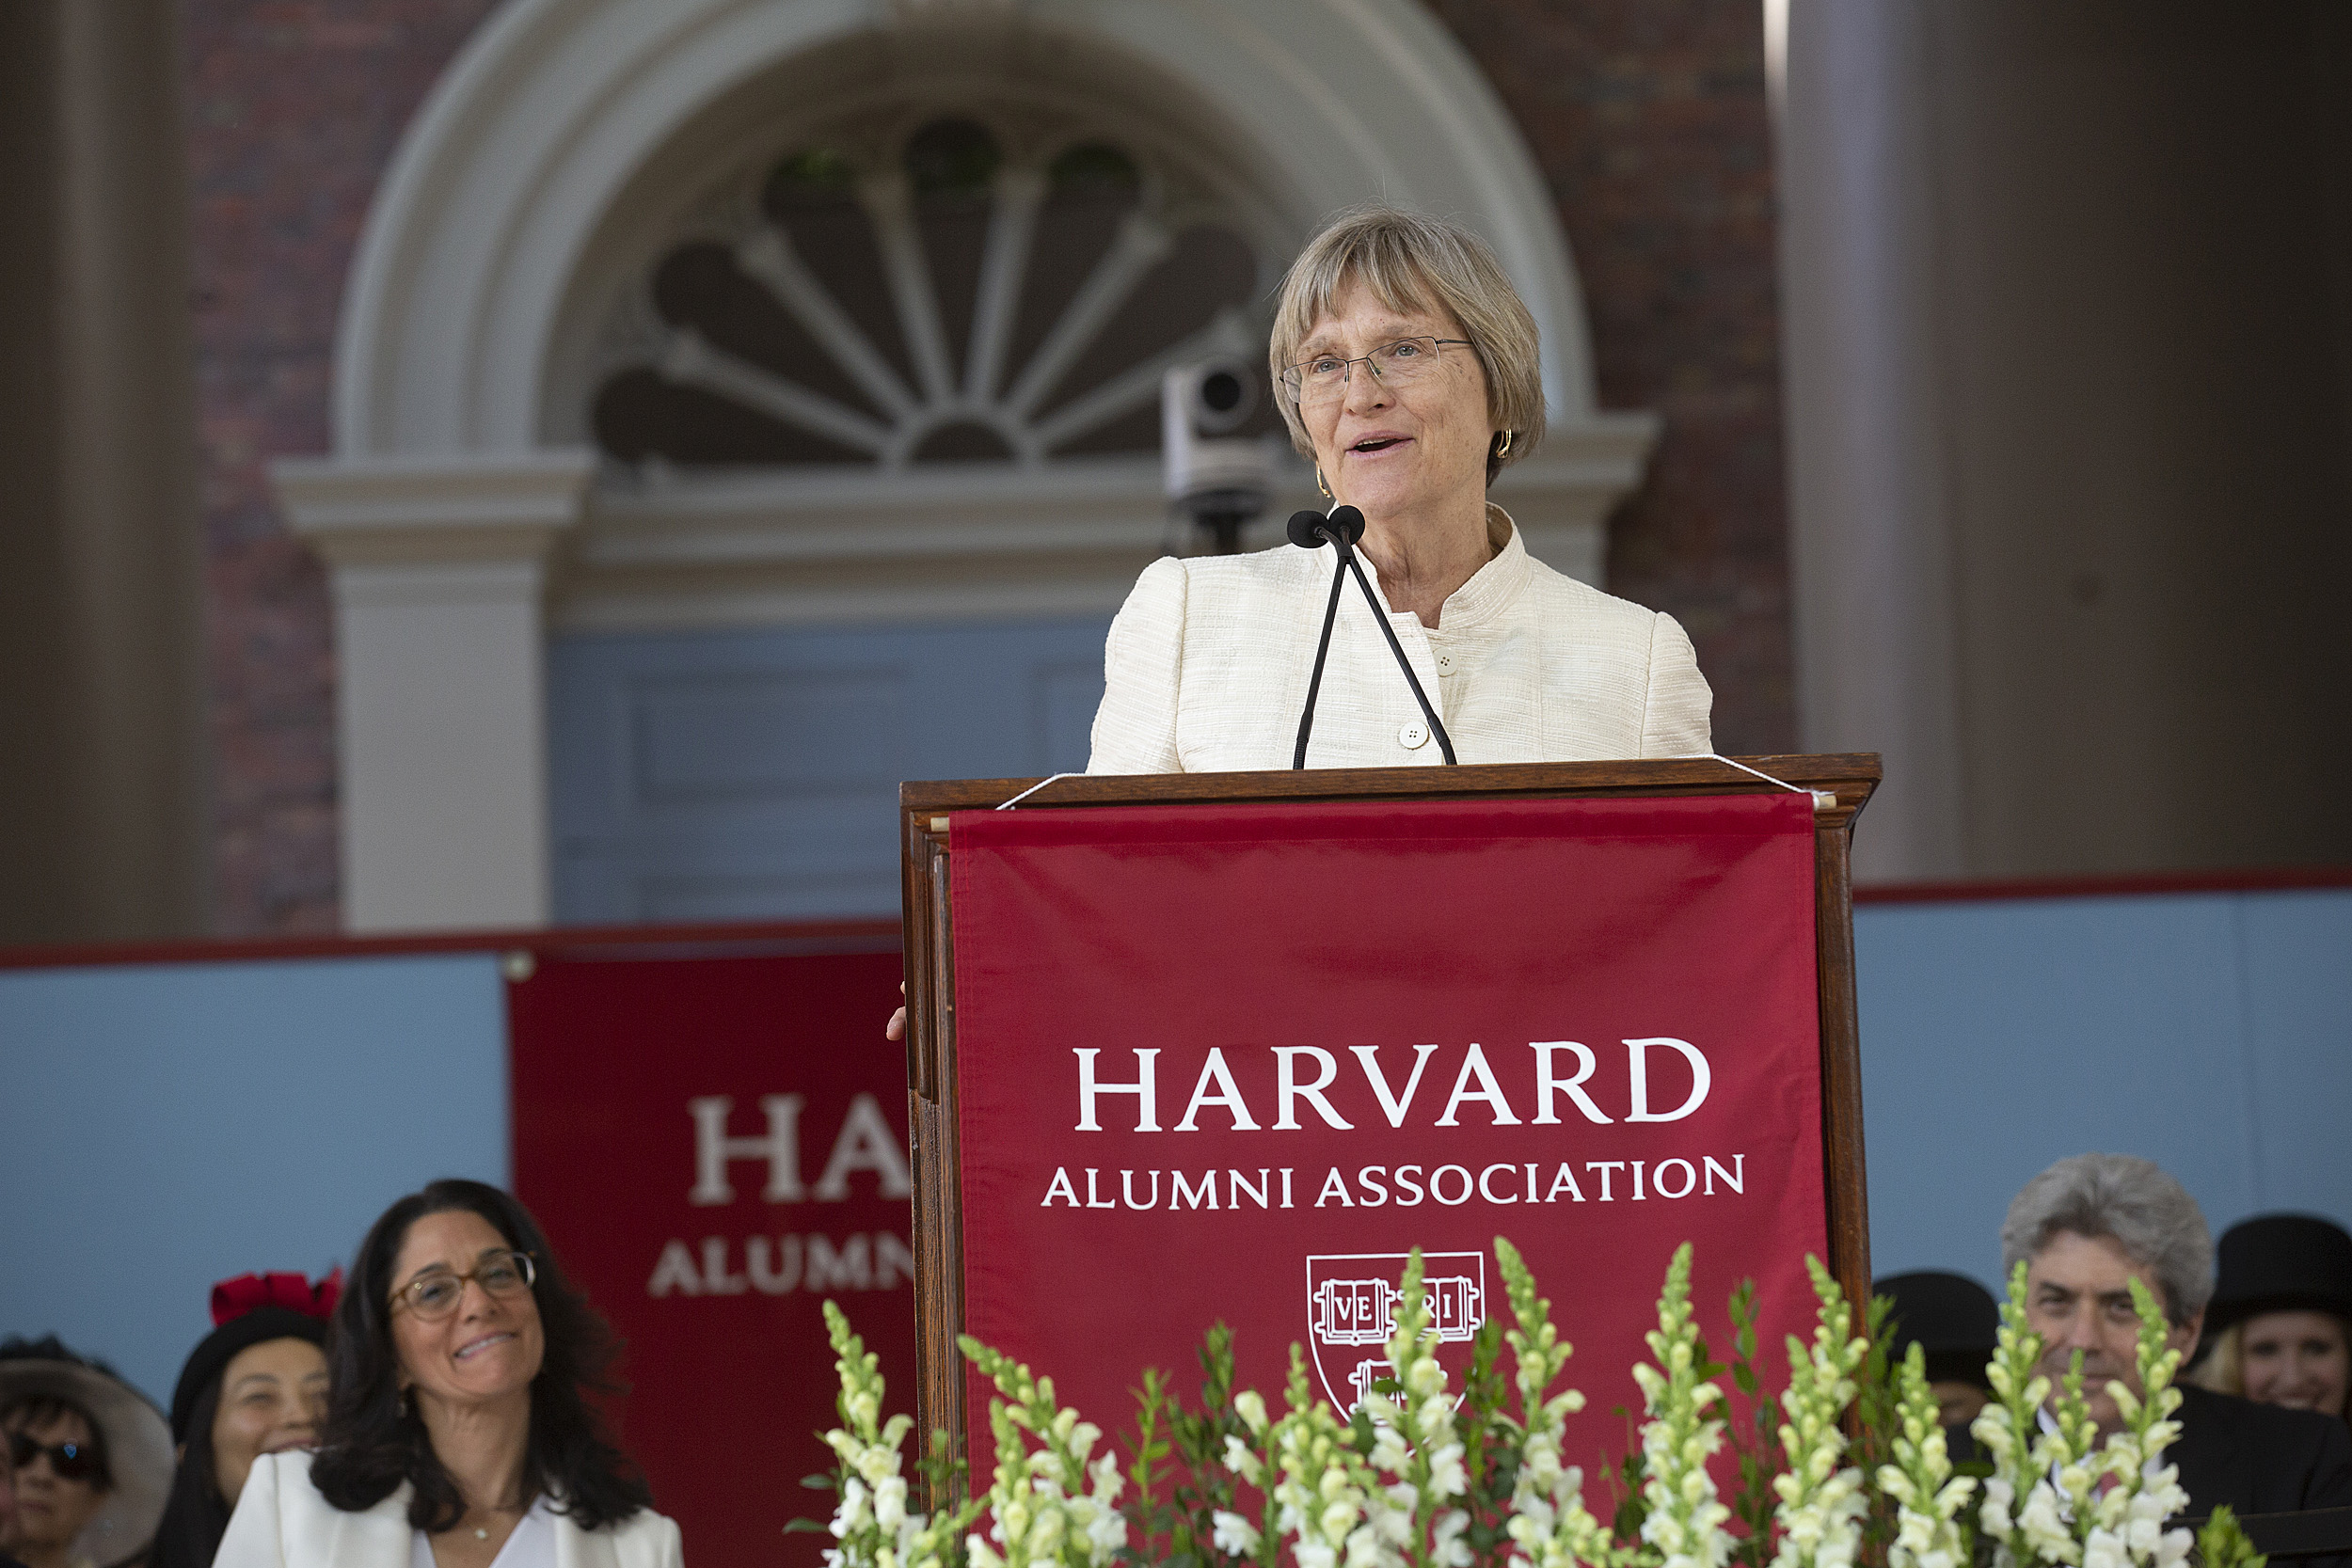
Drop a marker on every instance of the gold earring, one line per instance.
(1320, 485)
(1504, 450)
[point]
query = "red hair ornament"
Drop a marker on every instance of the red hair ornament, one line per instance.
(234, 1298)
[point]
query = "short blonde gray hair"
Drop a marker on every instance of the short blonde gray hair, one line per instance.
(1412, 261)
(2134, 1202)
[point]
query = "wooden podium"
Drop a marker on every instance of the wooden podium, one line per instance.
(1841, 786)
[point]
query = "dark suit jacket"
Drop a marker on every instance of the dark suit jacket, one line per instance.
(2258, 1457)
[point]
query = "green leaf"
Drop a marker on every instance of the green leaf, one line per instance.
(2223, 1544)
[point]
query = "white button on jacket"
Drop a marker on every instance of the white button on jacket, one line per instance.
(1207, 666)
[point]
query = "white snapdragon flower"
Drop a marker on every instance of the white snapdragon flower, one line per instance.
(1366, 1548)
(2105, 1549)
(1929, 1499)
(1448, 1477)
(890, 1503)
(1685, 1518)
(1447, 1549)
(2044, 1530)
(851, 1515)
(1235, 1534)
(1821, 1504)
(1997, 1517)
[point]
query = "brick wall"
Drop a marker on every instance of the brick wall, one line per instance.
(1648, 119)
(293, 111)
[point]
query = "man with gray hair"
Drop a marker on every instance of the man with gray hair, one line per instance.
(2084, 1229)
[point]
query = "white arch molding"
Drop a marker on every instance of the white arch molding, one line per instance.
(459, 513)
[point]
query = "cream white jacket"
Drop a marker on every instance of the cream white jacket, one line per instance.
(1207, 666)
(282, 1522)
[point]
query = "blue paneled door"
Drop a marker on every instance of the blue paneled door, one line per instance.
(715, 775)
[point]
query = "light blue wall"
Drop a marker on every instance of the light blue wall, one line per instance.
(165, 1126)
(2211, 1033)
(754, 774)
(161, 1127)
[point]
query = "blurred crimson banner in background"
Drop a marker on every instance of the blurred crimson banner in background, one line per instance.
(716, 1143)
(1235, 1062)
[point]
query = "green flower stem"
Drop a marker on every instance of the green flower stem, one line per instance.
(1929, 1529)
(1685, 1521)
(1822, 1504)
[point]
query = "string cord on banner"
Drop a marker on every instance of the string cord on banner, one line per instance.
(1035, 787)
(1823, 798)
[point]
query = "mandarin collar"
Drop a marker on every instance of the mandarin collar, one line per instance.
(1495, 587)
(1491, 590)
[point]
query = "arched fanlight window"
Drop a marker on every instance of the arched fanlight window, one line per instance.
(957, 293)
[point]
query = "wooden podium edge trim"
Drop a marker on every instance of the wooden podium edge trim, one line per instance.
(930, 948)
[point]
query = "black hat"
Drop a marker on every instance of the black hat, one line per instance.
(137, 1444)
(2282, 1263)
(1953, 1319)
(251, 1309)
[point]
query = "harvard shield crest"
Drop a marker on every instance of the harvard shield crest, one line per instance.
(1352, 1308)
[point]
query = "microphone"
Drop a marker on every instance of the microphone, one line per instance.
(1308, 530)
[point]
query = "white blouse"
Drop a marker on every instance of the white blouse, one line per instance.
(531, 1545)
(282, 1522)
(1207, 665)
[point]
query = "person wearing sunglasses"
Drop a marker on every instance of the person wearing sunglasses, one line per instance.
(459, 1430)
(1407, 369)
(255, 1385)
(7, 1504)
(91, 1458)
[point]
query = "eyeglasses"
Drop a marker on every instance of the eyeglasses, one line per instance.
(67, 1460)
(1313, 383)
(436, 1296)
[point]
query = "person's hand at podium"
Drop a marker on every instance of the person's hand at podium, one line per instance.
(897, 1028)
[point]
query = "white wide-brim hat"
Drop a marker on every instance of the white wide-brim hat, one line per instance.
(138, 1439)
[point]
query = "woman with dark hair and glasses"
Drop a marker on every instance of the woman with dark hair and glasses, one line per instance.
(458, 1430)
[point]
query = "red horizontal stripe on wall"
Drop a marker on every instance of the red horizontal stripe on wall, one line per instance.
(738, 936)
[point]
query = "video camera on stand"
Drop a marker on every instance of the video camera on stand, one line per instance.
(1218, 480)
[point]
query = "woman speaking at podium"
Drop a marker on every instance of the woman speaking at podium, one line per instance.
(1406, 369)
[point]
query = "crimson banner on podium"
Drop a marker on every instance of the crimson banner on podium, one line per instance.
(1234, 1061)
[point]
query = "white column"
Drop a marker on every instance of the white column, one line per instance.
(1560, 498)
(1870, 544)
(440, 569)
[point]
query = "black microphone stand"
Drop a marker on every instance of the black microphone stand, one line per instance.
(1342, 528)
